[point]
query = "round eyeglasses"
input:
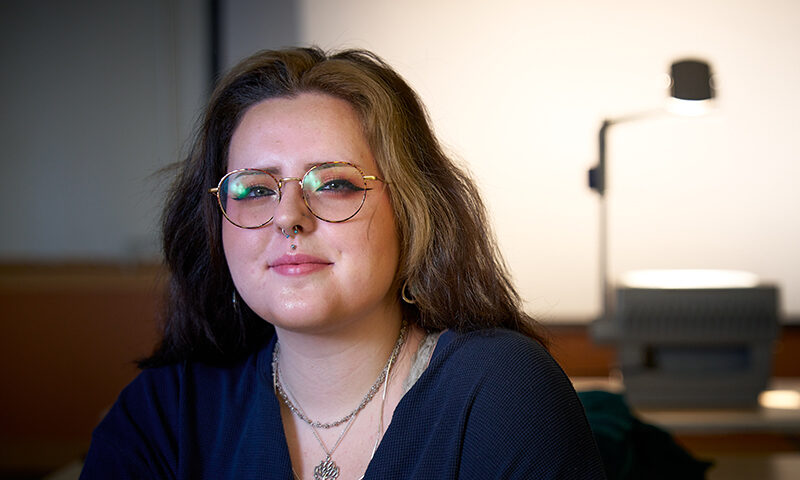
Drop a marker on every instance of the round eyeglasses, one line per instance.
(333, 192)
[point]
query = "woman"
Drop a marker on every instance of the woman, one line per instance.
(337, 306)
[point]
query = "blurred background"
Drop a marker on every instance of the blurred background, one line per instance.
(99, 95)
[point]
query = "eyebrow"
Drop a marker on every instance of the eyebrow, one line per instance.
(308, 166)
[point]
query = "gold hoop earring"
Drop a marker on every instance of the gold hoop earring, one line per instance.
(404, 296)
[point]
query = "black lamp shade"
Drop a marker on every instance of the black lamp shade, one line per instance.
(691, 80)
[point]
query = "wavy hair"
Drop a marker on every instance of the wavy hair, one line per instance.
(449, 262)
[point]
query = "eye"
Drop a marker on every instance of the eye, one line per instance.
(246, 192)
(338, 185)
(260, 191)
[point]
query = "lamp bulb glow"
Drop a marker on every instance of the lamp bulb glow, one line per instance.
(682, 279)
(688, 108)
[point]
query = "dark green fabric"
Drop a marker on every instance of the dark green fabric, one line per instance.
(632, 449)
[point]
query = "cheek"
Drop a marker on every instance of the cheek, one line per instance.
(228, 242)
(385, 243)
(234, 245)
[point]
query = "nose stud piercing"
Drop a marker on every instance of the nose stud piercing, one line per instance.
(295, 231)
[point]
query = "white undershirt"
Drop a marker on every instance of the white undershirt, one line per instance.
(421, 359)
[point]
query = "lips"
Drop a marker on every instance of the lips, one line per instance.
(298, 264)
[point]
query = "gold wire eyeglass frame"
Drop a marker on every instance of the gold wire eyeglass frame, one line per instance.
(282, 181)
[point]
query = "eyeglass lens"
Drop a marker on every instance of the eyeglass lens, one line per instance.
(334, 192)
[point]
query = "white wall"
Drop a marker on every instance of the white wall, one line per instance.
(518, 89)
(99, 94)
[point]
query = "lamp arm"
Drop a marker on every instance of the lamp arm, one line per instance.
(597, 174)
(597, 182)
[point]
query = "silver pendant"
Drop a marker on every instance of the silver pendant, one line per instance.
(326, 470)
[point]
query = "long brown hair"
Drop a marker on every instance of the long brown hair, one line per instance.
(449, 262)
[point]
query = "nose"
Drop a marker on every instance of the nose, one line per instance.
(292, 210)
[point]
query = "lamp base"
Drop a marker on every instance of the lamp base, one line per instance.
(693, 348)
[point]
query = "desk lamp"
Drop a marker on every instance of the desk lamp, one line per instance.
(685, 338)
(690, 94)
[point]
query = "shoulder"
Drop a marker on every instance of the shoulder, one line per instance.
(154, 392)
(167, 384)
(502, 374)
(522, 408)
(137, 437)
(491, 340)
(163, 391)
(497, 353)
(145, 431)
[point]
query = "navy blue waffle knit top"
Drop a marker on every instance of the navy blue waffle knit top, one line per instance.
(492, 404)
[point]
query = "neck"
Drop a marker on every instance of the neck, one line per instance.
(330, 374)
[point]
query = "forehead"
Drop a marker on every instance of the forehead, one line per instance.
(288, 134)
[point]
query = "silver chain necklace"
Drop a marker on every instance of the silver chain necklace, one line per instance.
(370, 394)
(327, 468)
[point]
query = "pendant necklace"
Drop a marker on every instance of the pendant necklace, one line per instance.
(327, 468)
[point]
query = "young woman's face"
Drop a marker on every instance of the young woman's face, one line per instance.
(336, 273)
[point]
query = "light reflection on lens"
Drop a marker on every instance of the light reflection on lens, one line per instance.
(333, 192)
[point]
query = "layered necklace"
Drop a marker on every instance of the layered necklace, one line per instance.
(327, 468)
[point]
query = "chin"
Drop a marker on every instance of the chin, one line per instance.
(299, 317)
